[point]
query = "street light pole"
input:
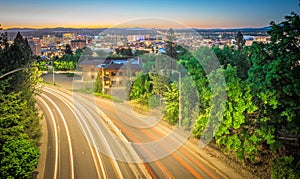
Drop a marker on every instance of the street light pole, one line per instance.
(13, 71)
(102, 69)
(53, 78)
(179, 106)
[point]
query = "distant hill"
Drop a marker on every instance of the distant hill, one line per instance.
(246, 29)
(136, 28)
(58, 31)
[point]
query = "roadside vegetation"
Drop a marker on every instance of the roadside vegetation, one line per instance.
(19, 118)
(260, 119)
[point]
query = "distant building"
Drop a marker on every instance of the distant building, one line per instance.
(35, 46)
(76, 44)
(132, 38)
(67, 37)
(251, 39)
(49, 40)
(112, 71)
(36, 49)
(88, 67)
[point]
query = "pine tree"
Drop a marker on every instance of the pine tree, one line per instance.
(68, 50)
(240, 41)
(171, 46)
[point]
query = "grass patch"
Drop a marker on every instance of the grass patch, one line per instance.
(70, 74)
(138, 107)
(49, 83)
(108, 97)
(85, 90)
(88, 90)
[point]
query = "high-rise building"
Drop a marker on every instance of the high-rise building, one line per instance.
(35, 46)
(76, 44)
(49, 40)
(67, 37)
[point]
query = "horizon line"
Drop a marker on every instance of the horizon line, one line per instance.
(222, 28)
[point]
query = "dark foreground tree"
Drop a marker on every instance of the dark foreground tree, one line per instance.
(19, 119)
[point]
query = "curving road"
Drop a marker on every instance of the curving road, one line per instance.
(77, 137)
(91, 137)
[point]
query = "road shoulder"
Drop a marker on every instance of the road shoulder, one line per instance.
(43, 147)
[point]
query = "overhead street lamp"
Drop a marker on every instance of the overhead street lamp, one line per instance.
(13, 71)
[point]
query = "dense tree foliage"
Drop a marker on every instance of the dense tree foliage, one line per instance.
(124, 52)
(259, 120)
(19, 119)
(141, 87)
(172, 103)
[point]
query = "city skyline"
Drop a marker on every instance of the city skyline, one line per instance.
(157, 14)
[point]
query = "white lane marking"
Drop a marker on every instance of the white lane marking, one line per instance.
(116, 165)
(67, 131)
(69, 104)
(55, 134)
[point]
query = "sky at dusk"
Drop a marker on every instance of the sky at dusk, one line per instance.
(138, 13)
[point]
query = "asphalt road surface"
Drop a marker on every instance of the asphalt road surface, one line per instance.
(91, 137)
(77, 135)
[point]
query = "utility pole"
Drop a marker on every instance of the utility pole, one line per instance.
(102, 74)
(53, 76)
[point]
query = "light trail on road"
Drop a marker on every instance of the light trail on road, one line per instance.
(67, 131)
(105, 147)
(85, 127)
(55, 134)
(69, 104)
(95, 133)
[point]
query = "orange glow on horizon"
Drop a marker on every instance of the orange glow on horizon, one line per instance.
(55, 26)
(206, 26)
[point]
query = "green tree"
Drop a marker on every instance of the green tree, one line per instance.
(19, 119)
(141, 87)
(189, 100)
(171, 46)
(159, 82)
(236, 131)
(4, 40)
(236, 58)
(171, 98)
(240, 41)
(275, 78)
(68, 50)
(99, 84)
